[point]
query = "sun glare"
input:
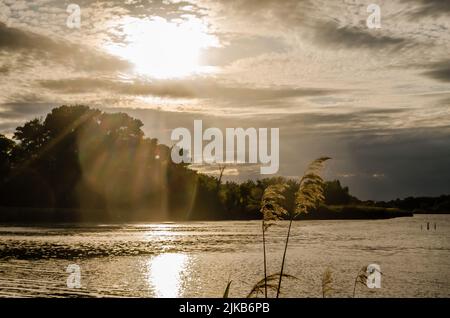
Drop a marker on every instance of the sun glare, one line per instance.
(165, 274)
(163, 49)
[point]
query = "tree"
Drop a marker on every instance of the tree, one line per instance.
(335, 194)
(32, 137)
(6, 148)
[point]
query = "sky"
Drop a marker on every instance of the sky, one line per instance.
(376, 100)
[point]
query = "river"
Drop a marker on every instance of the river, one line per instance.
(197, 259)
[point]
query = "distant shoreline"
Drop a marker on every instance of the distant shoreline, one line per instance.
(17, 215)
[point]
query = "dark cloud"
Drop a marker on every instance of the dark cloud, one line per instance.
(413, 162)
(41, 47)
(137, 88)
(439, 71)
(381, 164)
(431, 8)
(202, 88)
(332, 124)
(7, 127)
(15, 114)
(330, 34)
(446, 102)
(4, 69)
(24, 110)
(310, 17)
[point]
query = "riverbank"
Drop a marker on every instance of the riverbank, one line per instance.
(25, 215)
(355, 212)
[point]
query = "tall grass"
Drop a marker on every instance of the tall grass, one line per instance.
(327, 281)
(272, 210)
(268, 282)
(361, 278)
(227, 289)
(265, 260)
(308, 196)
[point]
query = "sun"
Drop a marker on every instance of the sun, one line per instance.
(160, 48)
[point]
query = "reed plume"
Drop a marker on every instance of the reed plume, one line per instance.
(361, 278)
(268, 282)
(308, 197)
(327, 281)
(272, 210)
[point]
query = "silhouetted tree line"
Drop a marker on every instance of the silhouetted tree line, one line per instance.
(97, 164)
(82, 164)
(440, 204)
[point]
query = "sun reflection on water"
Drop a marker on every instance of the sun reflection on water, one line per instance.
(165, 274)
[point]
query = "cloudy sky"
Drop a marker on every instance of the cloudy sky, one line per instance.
(376, 100)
